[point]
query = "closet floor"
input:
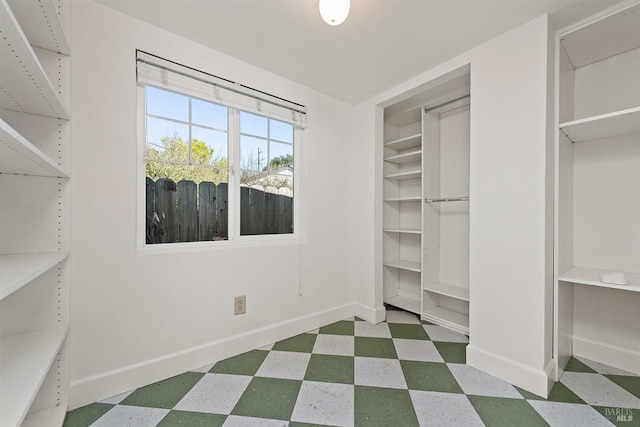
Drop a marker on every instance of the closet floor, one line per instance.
(402, 372)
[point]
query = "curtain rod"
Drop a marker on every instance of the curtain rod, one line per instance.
(301, 110)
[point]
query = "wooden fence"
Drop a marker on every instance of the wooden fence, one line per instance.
(187, 212)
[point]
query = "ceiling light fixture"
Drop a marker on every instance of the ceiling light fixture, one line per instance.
(334, 12)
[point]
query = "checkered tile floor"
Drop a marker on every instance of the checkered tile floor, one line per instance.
(402, 372)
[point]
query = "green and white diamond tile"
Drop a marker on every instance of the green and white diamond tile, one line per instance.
(402, 372)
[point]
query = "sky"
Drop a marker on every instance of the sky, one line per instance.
(168, 115)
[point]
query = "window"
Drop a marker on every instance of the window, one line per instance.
(214, 169)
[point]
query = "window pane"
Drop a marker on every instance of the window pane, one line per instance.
(171, 105)
(209, 114)
(209, 147)
(281, 131)
(280, 156)
(266, 204)
(167, 140)
(252, 124)
(185, 203)
(253, 153)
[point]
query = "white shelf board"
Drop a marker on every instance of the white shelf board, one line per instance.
(40, 23)
(404, 265)
(402, 176)
(453, 291)
(26, 86)
(26, 359)
(405, 142)
(622, 122)
(412, 156)
(405, 302)
(16, 270)
(591, 277)
(448, 318)
(19, 156)
(53, 416)
(403, 199)
(403, 230)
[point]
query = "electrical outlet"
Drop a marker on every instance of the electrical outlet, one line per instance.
(240, 305)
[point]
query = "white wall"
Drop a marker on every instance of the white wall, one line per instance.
(137, 318)
(509, 237)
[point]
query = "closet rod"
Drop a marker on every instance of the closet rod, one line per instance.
(426, 110)
(447, 199)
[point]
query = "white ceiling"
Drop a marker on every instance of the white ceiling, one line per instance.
(382, 43)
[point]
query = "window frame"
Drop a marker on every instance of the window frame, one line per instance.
(235, 239)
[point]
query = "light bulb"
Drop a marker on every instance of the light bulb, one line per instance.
(334, 12)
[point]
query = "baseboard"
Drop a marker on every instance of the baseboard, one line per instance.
(98, 387)
(371, 315)
(536, 381)
(617, 357)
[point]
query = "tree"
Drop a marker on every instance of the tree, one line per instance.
(171, 160)
(280, 161)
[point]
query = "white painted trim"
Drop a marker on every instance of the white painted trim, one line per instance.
(97, 387)
(537, 381)
(621, 358)
(370, 314)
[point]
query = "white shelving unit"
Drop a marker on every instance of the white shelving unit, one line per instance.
(413, 171)
(402, 197)
(598, 189)
(34, 172)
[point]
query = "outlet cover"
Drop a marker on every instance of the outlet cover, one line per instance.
(240, 305)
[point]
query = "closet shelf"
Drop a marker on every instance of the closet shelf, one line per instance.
(412, 141)
(412, 156)
(40, 23)
(404, 265)
(19, 156)
(26, 359)
(26, 86)
(403, 230)
(591, 277)
(16, 270)
(403, 199)
(403, 176)
(448, 290)
(406, 302)
(448, 318)
(608, 125)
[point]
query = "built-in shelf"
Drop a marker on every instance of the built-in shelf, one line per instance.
(16, 270)
(403, 199)
(411, 156)
(26, 86)
(403, 176)
(448, 318)
(19, 156)
(446, 289)
(40, 24)
(403, 230)
(404, 265)
(26, 359)
(406, 302)
(603, 126)
(53, 416)
(591, 277)
(405, 142)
